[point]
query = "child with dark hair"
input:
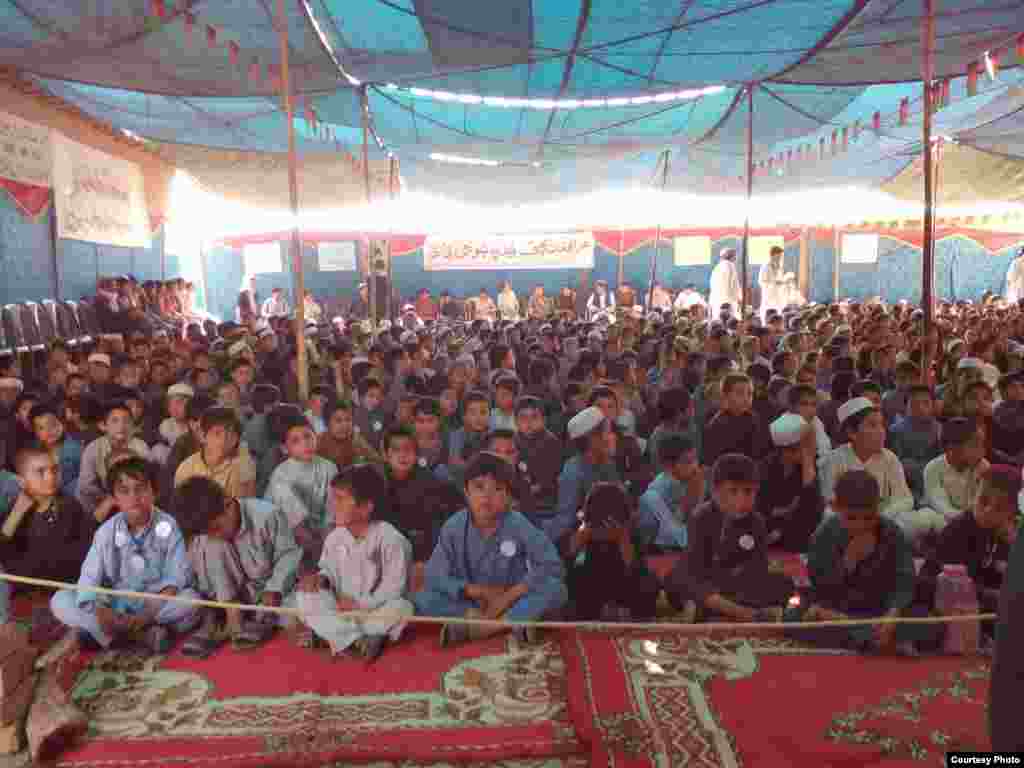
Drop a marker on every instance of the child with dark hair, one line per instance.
(45, 534)
(418, 500)
(789, 500)
(242, 551)
(914, 437)
(257, 429)
(503, 415)
(502, 443)
(298, 487)
(221, 457)
(606, 576)
(540, 457)
(118, 440)
(343, 443)
(675, 416)
(364, 567)
(49, 432)
(184, 447)
(861, 565)
(319, 397)
(466, 441)
(660, 522)
(952, 480)
(140, 549)
(490, 562)
(725, 571)
(371, 416)
(431, 443)
(593, 443)
(980, 538)
(735, 428)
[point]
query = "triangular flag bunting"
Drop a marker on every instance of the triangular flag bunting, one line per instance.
(233, 51)
(211, 36)
(159, 9)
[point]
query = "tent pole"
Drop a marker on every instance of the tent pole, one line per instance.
(744, 297)
(622, 255)
(371, 278)
(298, 280)
(928, 241)
(392, 173)
(657, 237)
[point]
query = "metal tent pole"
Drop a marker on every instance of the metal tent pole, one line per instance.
(657, 237)
(744, 298)
(371, 278)
(298, 280)
(392, 179)
(928, 242)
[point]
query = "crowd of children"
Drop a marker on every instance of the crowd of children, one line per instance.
(529, 470)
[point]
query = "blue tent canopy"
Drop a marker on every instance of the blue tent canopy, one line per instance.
(450, 77)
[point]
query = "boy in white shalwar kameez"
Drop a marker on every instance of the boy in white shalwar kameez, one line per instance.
(364, 567)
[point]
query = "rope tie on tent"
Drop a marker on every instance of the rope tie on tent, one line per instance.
(589, 625)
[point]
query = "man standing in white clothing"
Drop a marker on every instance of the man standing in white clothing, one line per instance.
(775, 283)
(1015, 278)
(725, 284)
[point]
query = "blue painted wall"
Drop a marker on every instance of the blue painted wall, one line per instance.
(963, 270)
(28, 257)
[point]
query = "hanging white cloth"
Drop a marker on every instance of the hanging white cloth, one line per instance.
(1015, 280)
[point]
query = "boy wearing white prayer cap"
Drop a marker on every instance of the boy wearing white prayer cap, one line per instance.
(789, 499)
(865, 427)
(591, 435)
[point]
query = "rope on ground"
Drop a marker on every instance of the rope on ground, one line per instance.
(589, 625)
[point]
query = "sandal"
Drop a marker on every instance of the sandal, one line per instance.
(201, 645)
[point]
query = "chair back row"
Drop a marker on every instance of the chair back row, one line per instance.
(32, 326)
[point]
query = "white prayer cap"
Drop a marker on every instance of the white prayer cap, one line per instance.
(969, 362)
(467, 360)
(787, 430)
(238, 348)
(99, 357)
(850, 407)
(638, 312)
(10, 382)
(181, 390)
(408, 308)
(265, 333)
(585, 422)
(360, 360)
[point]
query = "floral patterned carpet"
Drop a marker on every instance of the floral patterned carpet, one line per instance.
(728, 700)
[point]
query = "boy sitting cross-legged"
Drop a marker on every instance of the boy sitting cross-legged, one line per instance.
(364, 567)
(242, 551)
(490, 562)
(139, 549)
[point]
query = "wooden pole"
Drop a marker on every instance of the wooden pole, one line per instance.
(928, 242)
(298, 280)
(803, 283)
(622, 256)
(836, 262)
(371, 279)
(744, 297)
(392, 183)
(657, 237)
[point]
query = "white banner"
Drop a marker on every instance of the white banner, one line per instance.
(24, 151)
(561, 251)
(100, 198)
(336, 256)
(859, 248)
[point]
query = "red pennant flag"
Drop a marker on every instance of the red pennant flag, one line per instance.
(947, 86)
(254, 70)
(972, 78)
(189, 19)
(994, 58)
(835, 141)
(1020, 46)
(159, 9)
(821, 148)
(857, 128)
(876, 122)
(211, 36)
(233, 51)
(846, 137)
(904, 111)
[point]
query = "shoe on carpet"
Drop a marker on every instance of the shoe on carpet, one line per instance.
(454, 634)
(157, 640)
(371, 647)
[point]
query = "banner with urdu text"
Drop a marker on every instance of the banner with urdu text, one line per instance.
(99, 198)
(25, 163)
(560, 251)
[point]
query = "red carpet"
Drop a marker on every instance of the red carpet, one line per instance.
(645, 700)
(285, 706)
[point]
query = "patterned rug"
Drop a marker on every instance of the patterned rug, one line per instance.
(729, 700)
(490, 701)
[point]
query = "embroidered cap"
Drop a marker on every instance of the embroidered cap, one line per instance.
(787, 430)
(853, 406)
(181, 390)
(585, 422)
